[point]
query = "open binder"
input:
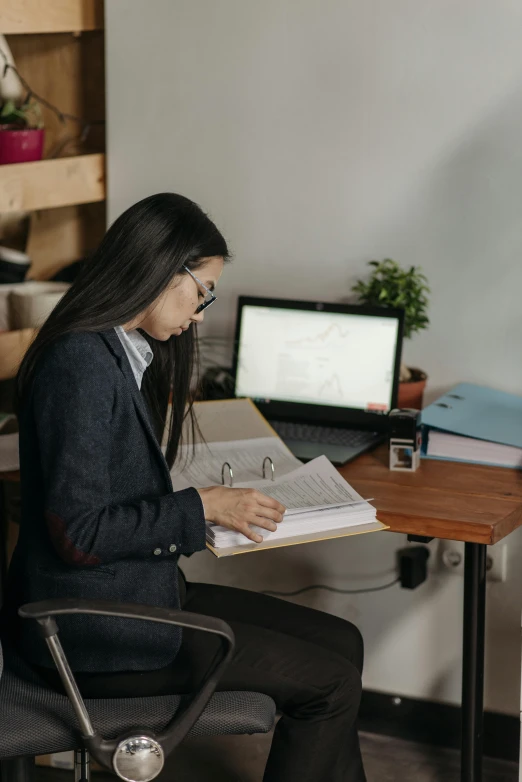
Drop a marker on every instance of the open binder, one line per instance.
(242, 450)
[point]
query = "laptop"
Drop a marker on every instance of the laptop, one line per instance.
(324, 375)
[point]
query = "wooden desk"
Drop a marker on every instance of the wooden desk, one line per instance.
(466, 502)
(476, 504)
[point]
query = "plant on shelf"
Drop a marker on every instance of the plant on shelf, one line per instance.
(21, 132)
(27, 115)
(389, 285)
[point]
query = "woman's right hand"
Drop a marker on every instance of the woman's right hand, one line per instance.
(237, 509)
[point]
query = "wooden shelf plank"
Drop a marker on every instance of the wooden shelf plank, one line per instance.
(42, 16)
(46, 184)
(13, 345)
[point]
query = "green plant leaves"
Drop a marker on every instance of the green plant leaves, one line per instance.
(27, 114)
(389, 285)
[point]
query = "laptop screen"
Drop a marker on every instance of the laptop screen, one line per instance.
(345, 359)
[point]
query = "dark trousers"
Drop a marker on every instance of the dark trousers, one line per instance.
(308, 661)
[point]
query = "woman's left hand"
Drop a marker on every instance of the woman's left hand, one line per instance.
(238, 509)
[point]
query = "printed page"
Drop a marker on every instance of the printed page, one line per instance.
(312, 486)
(244, 456)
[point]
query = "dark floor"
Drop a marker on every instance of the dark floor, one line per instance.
(241, 759)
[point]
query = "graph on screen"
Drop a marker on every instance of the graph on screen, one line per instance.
(332, 334)
(316, 357)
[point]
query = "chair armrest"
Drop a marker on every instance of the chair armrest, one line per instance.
(45, 611)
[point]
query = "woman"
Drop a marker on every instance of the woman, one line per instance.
(100, 519)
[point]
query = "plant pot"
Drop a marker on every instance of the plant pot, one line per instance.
(411, 393)
(20, 146)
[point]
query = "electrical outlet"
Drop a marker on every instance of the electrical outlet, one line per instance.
(450, 559)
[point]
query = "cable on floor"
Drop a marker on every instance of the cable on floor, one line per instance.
(331, 589)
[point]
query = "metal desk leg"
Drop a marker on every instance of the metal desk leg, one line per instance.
(473, 662)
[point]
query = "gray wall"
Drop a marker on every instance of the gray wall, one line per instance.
(320, 135)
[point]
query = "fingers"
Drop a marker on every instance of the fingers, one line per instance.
(267, 513)
(262, 521)
(268, 502)
(247, 528)
(239, 509)
(249, 533)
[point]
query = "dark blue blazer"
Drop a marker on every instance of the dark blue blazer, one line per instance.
(99, 517)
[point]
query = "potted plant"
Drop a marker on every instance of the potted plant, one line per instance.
(389, 285)
(21, 132)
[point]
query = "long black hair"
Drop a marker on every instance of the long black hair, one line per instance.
(138, 257)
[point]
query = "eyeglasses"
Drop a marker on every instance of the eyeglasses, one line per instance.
(210, 298)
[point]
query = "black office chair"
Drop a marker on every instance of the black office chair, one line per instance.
(130, 736)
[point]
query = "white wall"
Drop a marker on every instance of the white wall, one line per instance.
(320, 134)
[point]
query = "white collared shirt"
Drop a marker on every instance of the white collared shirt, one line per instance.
(138, 351)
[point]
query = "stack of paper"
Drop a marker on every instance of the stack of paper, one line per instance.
(468, 449)
(320, 503)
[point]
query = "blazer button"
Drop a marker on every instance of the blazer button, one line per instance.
(173, 548)
(157, 551)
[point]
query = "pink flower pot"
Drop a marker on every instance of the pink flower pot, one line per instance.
(19, 145)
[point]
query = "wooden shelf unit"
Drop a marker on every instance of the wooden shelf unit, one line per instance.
(58, 46)
(50, 16)
(48, 184)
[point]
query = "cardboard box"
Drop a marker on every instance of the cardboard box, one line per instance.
(64, 761)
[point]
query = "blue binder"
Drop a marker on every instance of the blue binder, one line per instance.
(478, 412)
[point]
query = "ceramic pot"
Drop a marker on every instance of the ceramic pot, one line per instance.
(20, 146)
(411, 394)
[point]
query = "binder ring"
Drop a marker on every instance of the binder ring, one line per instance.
(230, 473)
(265, 460)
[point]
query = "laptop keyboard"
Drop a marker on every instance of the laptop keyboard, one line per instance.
(326, 435)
